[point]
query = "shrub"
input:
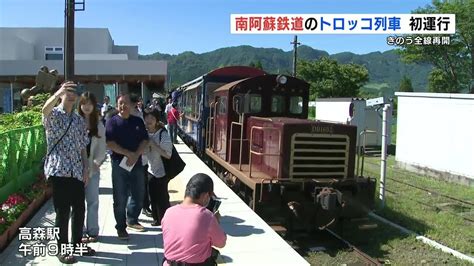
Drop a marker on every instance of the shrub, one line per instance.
(14, 206)
(29, 116)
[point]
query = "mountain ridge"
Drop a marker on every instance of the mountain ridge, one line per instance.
(385, 68)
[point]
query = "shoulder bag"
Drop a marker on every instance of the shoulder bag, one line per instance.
(174, 165)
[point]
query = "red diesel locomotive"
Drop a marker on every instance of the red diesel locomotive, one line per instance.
(259, 141)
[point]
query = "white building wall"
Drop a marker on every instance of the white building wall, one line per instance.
(92, 41)
(86, 41)
(436, 130)
(14, 48)
(373, 121)
(130, 50)
(337, 110)
(333, 111)
(86, 67)
(78, 57)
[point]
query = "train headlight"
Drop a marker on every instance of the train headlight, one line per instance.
(282, 79)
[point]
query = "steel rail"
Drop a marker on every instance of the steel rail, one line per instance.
(367, 259)
(431, 206)
(427, 190)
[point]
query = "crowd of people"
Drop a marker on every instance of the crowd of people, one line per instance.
(136, 139)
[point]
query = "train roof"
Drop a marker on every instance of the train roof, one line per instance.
(228, 86)
(231, 85)
(229, 71)
(237, 71)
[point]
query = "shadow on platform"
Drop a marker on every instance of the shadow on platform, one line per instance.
(233, 227)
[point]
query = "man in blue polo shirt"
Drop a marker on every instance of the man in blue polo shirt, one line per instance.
(127, 138)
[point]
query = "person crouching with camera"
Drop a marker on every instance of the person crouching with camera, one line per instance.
(190, 230)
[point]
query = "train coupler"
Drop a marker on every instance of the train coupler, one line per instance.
(328, 198)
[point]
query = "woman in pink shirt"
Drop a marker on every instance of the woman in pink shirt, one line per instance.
(190, 229)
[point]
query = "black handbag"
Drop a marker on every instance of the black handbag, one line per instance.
(174, 165)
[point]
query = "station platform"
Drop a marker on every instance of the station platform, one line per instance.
(250, 241)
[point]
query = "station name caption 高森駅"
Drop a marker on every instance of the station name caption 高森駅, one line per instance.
(32, 243)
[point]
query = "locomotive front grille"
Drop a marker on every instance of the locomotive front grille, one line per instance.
(319, 155)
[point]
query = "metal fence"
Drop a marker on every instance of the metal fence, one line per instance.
(20, 158)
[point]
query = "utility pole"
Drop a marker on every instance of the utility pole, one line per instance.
(70, 8)
(295, 48)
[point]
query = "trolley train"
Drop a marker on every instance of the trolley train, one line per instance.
(252, 129)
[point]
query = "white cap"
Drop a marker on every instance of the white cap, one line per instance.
(156, 95)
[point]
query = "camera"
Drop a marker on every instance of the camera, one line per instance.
(214, 204)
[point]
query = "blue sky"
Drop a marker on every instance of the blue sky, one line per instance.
(175, 26)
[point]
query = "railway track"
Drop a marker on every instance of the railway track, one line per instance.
(447, 199)
(327, 240)
(303, 243)
(461, 201)
(432, 192)
(367, 260)
(430, 206)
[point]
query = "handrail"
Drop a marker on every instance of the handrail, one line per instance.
(240, 141)
(20, 129)
(263, 154)
(261, 187)
(208, 126)
(264, 118)
(214, 130)
(208, 134)
(191, 118)
(21, 149)
(231, 131)
(200, 109)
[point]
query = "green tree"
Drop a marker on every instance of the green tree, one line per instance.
(405, 85)
(328, 78)
(386, 91)
(368, 93)
(454, 63)
(256, 64)
(439, 82)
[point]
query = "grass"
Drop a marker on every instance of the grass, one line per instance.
(428, 214)
(384, 243)
(393, 134)
(311, 113)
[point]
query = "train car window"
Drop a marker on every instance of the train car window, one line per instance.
(296, 104)
(191, 103)
(198, 102)
(255, 103)
(223, 105)
(210, 88)
(278, 103)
